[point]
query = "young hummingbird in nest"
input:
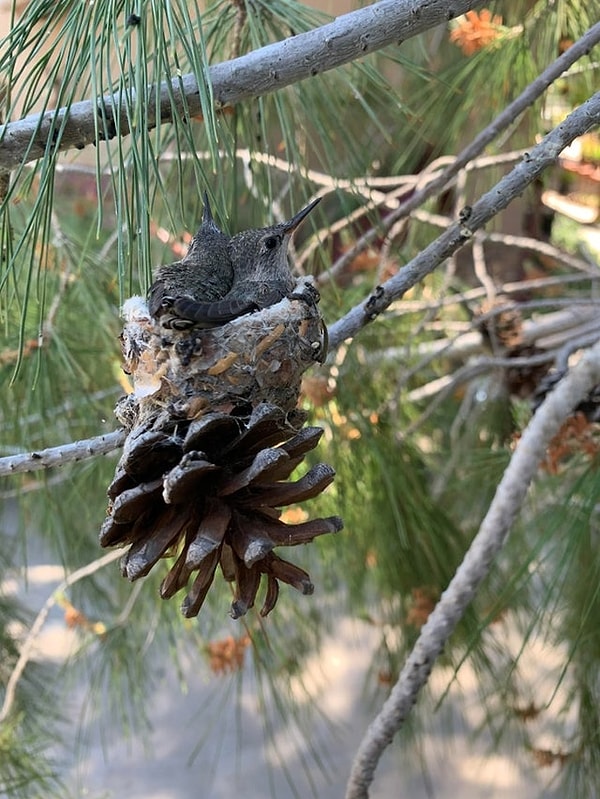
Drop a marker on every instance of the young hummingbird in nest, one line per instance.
(261, 275)
(203, 275)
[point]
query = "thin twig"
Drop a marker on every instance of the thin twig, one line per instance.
(474, 295)
(40, 620)
(488, 134)
(19, 491)
(491, 203)
(65, 453)
(269, 69)
(363, 184)
(474, 569)
(63, 408)
(445, 386)
(556, 333)
(449, 383)
(509, 240)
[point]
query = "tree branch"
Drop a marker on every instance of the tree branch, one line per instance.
(475, 567)
(507, 117)
(40, 620)
(260, 72)
(492, 202)
(58, 456)
(510, 186)
(522, 242)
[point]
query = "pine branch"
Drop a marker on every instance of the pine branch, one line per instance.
(521, 242)
(491, 203)
(518, 287)
(506, 118)
(510, 186)
(474, 569)
(260, 72)
(65, 453)
(371, 189)
(27, 650)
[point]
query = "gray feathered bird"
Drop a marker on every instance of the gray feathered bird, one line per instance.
(204, 275)
(261, 275)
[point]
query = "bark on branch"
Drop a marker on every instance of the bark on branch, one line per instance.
(475, 567)
(513, 184)
(507, 117)
(260, 72)
(65, 453)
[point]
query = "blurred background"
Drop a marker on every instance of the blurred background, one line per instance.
(421, 412)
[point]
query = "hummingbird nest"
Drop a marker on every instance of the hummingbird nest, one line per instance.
(214, 433)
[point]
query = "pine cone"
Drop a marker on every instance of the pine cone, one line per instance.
(214, 433)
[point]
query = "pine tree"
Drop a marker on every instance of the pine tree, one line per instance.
(459, 396)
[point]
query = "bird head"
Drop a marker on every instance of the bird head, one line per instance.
(265, 249)
(209, 236)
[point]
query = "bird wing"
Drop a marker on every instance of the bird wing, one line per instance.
(212, 314)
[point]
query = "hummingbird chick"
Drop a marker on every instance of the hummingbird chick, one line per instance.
(261, 274)
(203, 275)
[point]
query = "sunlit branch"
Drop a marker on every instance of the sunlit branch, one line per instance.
(58, 456)
(523, 242)
(508, 116)
(472, 295)
(459, 233)
(347, 38)
(445, 386)
(364, 184)
(475, 567)
(40, 620)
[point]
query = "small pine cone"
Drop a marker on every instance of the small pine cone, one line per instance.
(214, 435)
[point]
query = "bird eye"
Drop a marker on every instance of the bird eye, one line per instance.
(271, 242)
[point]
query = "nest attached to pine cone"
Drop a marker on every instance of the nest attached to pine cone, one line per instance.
(214, 435)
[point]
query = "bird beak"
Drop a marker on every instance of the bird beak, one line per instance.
(291, 225)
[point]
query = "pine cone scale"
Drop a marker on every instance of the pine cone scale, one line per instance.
(210, 431)
(247, 581)
(271, 595)
(288, 573)
(303, 442)
(130, 504)
(248, 539)
(261, 469)
(185, 479)
(210, 534)
(145, 553)
(192, 603)
(148, 454)
(311, 485)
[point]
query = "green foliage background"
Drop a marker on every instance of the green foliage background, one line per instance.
(79, 235)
